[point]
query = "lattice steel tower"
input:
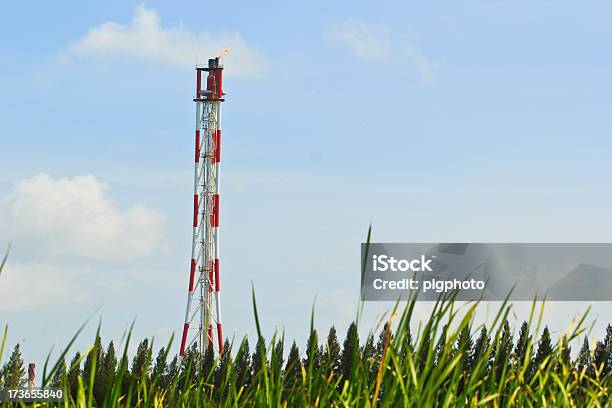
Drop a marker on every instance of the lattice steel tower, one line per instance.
(203, 314)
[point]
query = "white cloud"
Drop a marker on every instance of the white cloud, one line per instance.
(367, 41)
(373, 42)
(423, 64)
(31, 285)
(75, 217)
(145, 39)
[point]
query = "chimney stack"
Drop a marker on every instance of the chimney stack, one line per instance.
(31, 368)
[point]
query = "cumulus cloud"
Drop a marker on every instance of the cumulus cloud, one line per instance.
(31, 285)
(75, 217)
(145, 39)
(372, 42)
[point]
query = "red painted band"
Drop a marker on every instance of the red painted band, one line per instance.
(217, 281)
(197, 145)
(214, 142)
(218, 147)
(184, 339)
(195, 210)
(210, 334)
(198, 82)
(192, 274)
(216, 210)
(210, 86)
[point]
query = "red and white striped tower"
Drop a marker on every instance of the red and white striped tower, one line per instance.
(203, 314)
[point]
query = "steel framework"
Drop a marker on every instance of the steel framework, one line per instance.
(203, 314)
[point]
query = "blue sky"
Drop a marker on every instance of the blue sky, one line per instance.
(472, 121)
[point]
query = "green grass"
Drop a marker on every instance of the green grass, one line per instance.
(424, 370)
(429, 372)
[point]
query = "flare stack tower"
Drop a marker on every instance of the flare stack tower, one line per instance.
(203, 315)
